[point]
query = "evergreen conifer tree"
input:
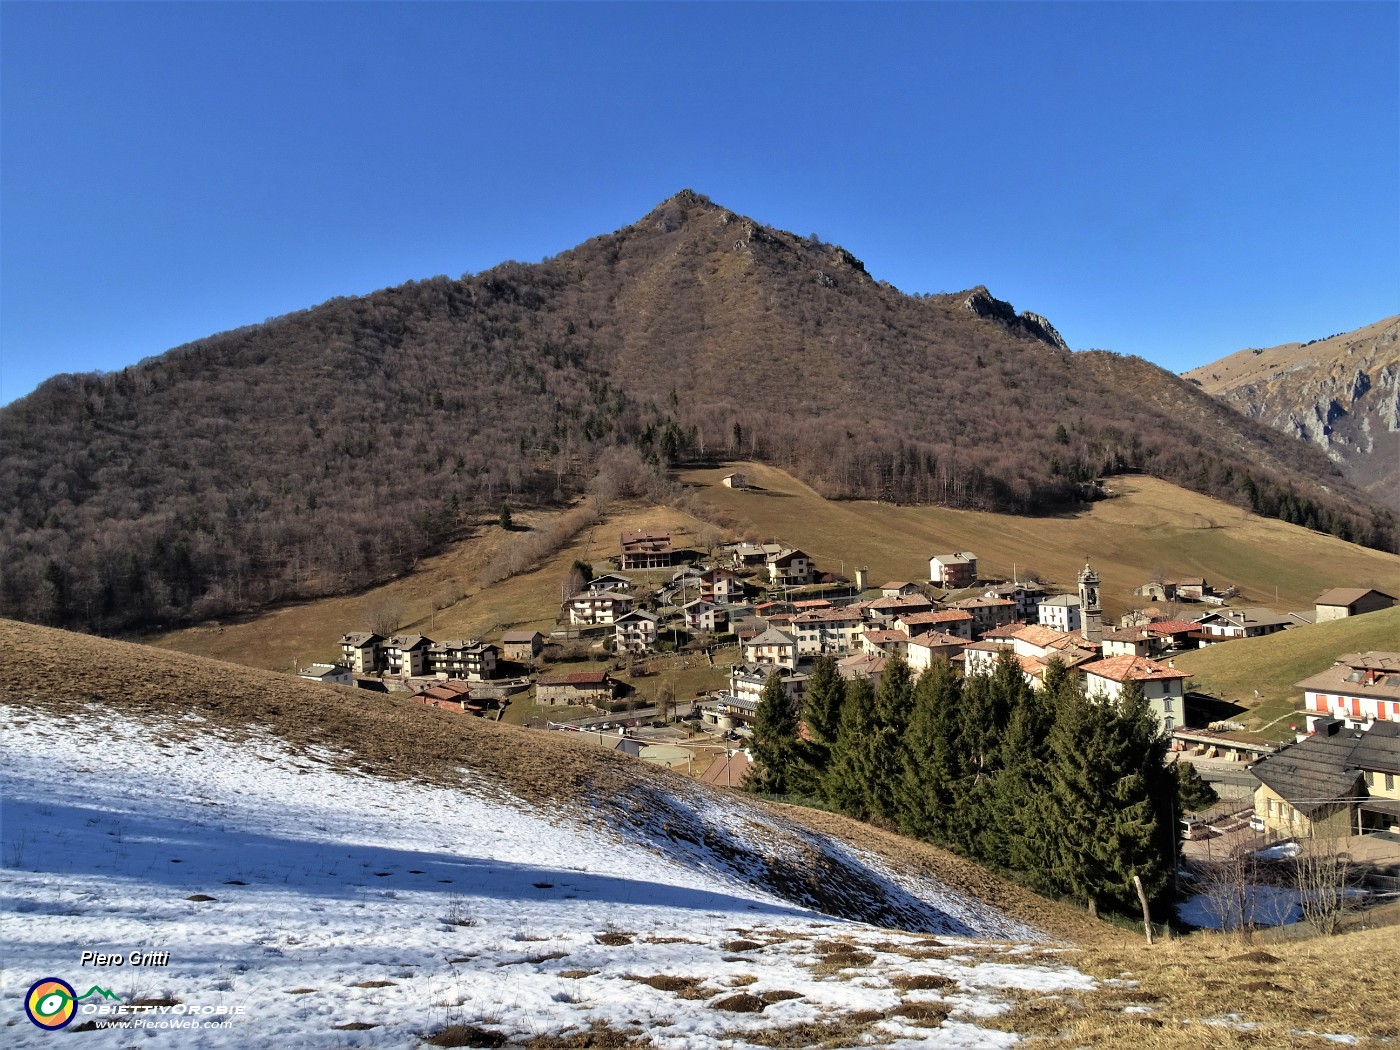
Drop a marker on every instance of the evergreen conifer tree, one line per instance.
(821, 714)
(1110, 797)
(1012, 836)
(1144, 839)
(1193, 793)
(894, 699)
(774, 742)
(1077, 799)
(925, 791)
(846, 783)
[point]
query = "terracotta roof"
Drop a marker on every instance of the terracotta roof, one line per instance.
(452, 689)
(901, 601)
(987, 647)
(646, 541)
(1172, 627)
(827, 616)
(1138, 668)
(519, 636)
(864, 664)
(882, 637)
(1126, 634)
(982, 603)
(360, 639)
(1031, 666)
(937, 640)
(937, 616)
(812, 603)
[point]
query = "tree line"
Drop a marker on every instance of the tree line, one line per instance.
(1069, 793)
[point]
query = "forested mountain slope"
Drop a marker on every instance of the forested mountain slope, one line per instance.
(331, 447)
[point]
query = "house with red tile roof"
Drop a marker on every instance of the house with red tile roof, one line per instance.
(950, 621)
(1162, 684)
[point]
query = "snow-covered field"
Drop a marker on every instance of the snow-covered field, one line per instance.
(311, 898)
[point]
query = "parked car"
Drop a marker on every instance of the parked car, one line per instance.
(1192, 828)
(1256, 823)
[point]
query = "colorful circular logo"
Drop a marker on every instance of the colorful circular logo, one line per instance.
(50, 1003)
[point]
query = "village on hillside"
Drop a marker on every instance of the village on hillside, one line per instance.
(754, 611)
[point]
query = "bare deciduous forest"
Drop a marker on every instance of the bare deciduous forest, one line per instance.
(321, 451)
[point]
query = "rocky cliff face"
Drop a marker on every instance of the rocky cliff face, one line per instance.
(1341, 393)
(981, 303)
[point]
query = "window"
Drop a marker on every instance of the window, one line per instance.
(1167, 705)
(1370, 778)
(1390, 781)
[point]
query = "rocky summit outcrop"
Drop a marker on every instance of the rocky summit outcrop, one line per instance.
(1341, 393)
(981, 303)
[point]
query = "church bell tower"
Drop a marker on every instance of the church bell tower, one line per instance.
(1090, 614)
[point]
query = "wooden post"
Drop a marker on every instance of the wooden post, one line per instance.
(1146, 915)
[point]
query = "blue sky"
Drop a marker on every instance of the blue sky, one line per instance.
(1173, 180)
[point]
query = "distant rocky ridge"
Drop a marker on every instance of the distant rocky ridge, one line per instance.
(1341, 393)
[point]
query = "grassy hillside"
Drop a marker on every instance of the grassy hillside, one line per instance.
(1205, 990)
(310, 631)
(1270, 666)
(1150, 527)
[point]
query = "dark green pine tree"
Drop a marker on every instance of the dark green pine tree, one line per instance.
(1143, 840)
(1192, 793)
(846, 783)
(773, 746)
(821, 715)
(894, 700)
(1016, 837)
(1077, 798)
(930, 767)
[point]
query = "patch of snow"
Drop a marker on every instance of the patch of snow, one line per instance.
(339, 897)
(1263, 905)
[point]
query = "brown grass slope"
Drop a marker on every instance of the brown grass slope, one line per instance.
(1205, 990)
(332, 448)
(1148, 528)
(1341, 393)
(67, 675)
